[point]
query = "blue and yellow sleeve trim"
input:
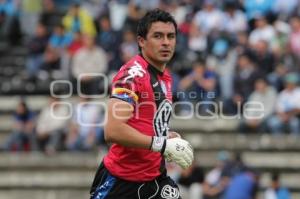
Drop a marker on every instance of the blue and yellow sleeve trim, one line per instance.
(125, 94)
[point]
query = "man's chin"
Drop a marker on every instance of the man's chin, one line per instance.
(165, 59)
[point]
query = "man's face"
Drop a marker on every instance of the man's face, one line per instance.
(159, 44)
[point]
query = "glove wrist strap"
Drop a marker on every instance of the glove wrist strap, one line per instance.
(158, 144)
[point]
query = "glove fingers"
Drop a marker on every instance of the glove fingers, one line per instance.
(187, 159)
(181, 160)
(189, 153)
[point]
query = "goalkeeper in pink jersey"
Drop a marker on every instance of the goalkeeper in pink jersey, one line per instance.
(139, 111)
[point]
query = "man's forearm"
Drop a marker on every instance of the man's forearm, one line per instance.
(125, 135)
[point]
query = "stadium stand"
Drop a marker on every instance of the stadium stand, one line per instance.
(230, 64)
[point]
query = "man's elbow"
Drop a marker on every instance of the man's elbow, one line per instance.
(109, 134)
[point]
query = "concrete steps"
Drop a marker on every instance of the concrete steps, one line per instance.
(285, 161)
(203, 125)
(55, 179)
(44, 194)
(64, 194)
(225, 141)
(31, 175)
(193, 125)
(9, 103)
(240, 142)
(83, 165)
(86, 161)
(65, 179)
(69, 175)
(36, 160)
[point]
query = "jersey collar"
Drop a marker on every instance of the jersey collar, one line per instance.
(154, 69)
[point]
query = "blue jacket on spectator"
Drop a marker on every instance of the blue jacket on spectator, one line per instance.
(254, 7)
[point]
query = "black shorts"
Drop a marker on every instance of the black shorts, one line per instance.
(106, 186)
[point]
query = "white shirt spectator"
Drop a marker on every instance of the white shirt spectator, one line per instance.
(235, 23)
(52, 119)
(209, 20)
(284, 7)
(89, 61)
(213, 177)
(270, 194)
(267, 99)
(197, 41)
(288, 100)
(87, 116)
(266, 33)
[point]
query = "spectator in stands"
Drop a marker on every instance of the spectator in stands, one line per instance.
(209, 18)
(263, 31)
(177, 9)
(199, 85)
(10, 30)
(128, 47)
(22, 136)
(294, 39)
(76, 44)
(55, 53)
(67, 56)
(51, 15)
(78, 19)
(263, 57)
(284, 9)
(244, 79)
(96, 8)
(89, 59)
(254, 8)
(190, 182)
(65, 4)
(243, 185)
(287, 107)
(236, 20)
(134, 14)
(242, 44)
(197, 40)
(215, 182)
(30, 16)
(276, 190)
(36, 46)
(51, 126)
(85, 130)
(234, 166)
(276, 78)
(280, 42)
(60, 38)
(110, 41)
(265, 95)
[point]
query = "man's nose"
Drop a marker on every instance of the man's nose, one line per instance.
(166, 41)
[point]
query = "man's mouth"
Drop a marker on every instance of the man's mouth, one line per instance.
(165, 51)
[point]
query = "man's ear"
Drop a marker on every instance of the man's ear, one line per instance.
(141, 41)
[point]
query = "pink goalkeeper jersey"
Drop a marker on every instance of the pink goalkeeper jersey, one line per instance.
(134, 83)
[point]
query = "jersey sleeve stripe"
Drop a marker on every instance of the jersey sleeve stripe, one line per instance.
(122, 91)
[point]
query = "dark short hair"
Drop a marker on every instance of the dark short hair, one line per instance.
(151, 17)
(275, 176)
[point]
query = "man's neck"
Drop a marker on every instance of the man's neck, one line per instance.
(159, 66)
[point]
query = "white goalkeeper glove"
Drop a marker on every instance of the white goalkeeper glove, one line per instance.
(175, 149)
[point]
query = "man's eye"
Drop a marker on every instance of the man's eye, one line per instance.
(157, 36)
(171, 36)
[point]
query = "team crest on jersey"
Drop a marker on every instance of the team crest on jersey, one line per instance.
(162, 117)
(135, 70)
(169, 192)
